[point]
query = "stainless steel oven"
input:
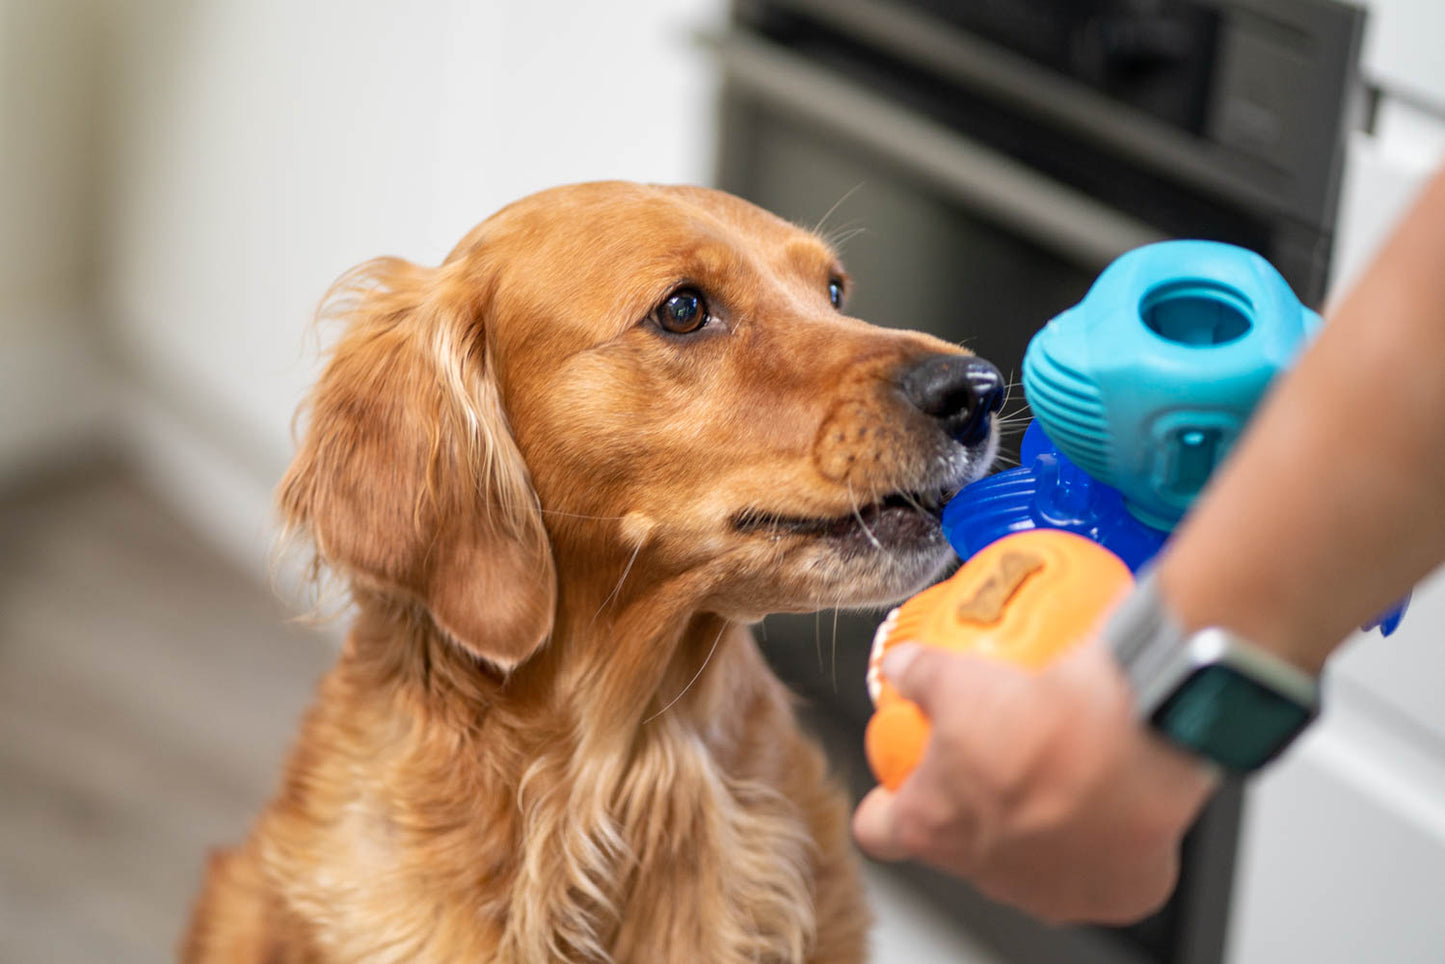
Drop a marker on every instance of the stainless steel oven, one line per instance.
(984, 159)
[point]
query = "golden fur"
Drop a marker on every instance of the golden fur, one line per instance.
(550, 735)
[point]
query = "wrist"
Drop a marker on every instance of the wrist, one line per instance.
(1257, 610)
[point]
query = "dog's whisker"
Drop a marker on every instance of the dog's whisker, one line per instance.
(817, 228)
(1008, 388)
(818, 637)
(864, 526)
(848, 228)
(618, 588)
(707, 659)
(835, 650)
(839, 240)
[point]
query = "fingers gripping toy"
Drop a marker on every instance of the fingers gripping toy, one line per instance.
(1138, 393)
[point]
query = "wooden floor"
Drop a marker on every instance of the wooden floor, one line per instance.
(148, 691)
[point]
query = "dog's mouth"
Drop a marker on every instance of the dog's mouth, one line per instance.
(896, 519)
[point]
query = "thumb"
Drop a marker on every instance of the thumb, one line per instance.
(875, 828)
(936, 678)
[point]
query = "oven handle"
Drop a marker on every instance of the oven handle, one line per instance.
(1053, 215)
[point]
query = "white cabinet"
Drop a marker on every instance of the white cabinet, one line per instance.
(1343, 849)
(1403, 41)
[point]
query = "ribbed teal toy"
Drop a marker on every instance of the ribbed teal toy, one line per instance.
(1147, 382)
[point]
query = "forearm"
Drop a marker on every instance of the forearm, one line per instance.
(1334, 501)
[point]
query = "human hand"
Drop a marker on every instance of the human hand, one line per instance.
(1040, 788)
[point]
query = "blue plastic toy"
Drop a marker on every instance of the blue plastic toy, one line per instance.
(1138, 393)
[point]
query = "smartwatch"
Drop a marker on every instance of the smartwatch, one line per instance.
(1211, 692)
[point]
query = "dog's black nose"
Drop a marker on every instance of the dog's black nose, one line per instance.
(961, 391)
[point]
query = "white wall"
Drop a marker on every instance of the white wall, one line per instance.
(1402, 48)
(50, 392)
(261, 147)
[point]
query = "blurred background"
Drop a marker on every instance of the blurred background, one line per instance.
(180, 181)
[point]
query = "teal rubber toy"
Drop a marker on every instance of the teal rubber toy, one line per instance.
(1147, 383)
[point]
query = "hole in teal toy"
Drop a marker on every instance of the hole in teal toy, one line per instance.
(1201, 313)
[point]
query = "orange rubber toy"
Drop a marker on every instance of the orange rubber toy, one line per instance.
(1025, 599)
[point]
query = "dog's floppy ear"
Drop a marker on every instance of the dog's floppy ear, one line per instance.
(407, 477)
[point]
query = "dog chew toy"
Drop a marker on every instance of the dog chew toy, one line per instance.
(1138, 394)
(1022, 599)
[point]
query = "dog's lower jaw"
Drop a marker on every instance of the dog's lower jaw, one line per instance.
(868, 577)
(899, 574)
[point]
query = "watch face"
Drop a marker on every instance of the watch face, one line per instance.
(1223, 715)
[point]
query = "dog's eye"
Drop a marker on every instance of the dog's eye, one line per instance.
(835, 293)
(682, 312)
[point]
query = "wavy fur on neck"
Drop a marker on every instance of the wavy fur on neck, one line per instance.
(690, 836)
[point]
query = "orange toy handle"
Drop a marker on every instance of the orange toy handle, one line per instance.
(1024, 599)
(894, 741)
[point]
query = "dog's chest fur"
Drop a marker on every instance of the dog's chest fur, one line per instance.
(394, 840)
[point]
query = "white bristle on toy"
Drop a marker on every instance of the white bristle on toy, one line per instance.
(875, 656)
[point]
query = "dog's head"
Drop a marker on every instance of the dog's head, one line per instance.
(612, 377)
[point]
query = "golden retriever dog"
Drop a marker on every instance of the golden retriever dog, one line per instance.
(562, 473)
